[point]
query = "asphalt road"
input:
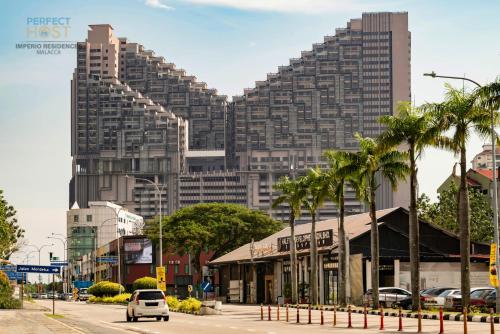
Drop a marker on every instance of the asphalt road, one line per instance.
(236, 319)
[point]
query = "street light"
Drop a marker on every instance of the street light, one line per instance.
(494, 176)
(39, 249)
(64, 241)
(159, 199)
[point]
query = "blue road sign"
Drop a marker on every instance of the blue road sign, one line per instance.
(206, 286)
(59, 263)
(38, 269)
(8, 267)
(107, 259)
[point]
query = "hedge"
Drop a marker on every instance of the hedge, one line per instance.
(6, 299)
(187, 305)
(105, 289)
(145, 283)
(118, 299)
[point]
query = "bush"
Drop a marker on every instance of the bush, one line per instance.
(172, 302)
(190, 305)
(6, 299)
(145, 283)
(118, 299)
(105, 288)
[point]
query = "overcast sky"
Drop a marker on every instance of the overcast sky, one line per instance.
(227, 43)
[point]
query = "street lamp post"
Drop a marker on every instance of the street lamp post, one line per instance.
(494, 177)
(64, 241)
(39, 249)
(159, 199)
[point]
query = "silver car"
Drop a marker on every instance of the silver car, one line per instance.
(388, 295)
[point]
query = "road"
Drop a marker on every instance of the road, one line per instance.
(236, 319)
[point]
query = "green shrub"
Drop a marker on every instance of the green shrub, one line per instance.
(190, 305)
(172, 302)
(6, 299)
(145, 283)
(105, 288)
(118, 299)
(122, 298)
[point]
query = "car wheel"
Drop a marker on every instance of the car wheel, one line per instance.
(134, 318)
(158, 318)
(128, 317)
(165, 318)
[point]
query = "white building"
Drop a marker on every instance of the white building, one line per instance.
(97, 225)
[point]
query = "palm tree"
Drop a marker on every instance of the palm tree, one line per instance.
(337, 179)
(416, 131)
(372, 161)
(461, 114)
(317, 192)
(292, 193)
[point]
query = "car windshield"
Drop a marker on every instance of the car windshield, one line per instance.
(479, 293)
(150, 295)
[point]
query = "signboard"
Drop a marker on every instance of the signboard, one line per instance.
(59, 263)
(107, 259)
(206, 286)
(160, 279)
(493, 268)
(303, 241)
(138, 251)
(38, 269)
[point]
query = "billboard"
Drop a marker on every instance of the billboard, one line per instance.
(138, 251)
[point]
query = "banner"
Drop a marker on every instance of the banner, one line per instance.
(160, 279)
(138, 251)
(493, 268)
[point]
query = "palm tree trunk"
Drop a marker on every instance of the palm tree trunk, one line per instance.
(374, 246)
(314, 262)
(342, 253)
(464, 223)
(293, 259)
(414, 234)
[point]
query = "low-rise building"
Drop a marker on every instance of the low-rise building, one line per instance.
(259, 272)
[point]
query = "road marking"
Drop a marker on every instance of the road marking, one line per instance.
(250, 329)
(67, 326)
(233, 327)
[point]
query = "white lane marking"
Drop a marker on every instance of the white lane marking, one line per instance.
(250, 329)
(233, 327)
(67, 326)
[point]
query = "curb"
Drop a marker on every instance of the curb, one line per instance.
(449, 317)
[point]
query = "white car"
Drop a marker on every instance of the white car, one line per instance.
(440, 299)
(388, 295)
(147, 303)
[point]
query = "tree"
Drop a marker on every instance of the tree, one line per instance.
(10, 232)
(444, 213)
(415, 130)
(372, 162)
(462, 115)
(317, 192)
(292, 193)
(337, 178)
(212, 227)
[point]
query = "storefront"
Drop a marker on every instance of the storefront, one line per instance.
(261, 272)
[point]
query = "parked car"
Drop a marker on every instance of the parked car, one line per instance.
(491, 300)
(388, 295)
(439, 300)
(42, 296)
(428, 296)
(405, 304)
(147, 303)
(454, 303)
(83, 295)
(478, 297)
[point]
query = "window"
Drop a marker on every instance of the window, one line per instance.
(176, 268)
(89, 218)
(75, 219)
(186, 269)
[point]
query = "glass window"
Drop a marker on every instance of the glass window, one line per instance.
(89, 218)
(176, 268)
(75, 218)
(186, 269)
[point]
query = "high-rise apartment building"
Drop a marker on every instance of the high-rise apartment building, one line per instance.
(134, 114)
(484, 159)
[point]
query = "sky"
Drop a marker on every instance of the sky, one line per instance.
(229, 44)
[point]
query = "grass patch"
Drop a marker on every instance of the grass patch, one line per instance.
(54, 316)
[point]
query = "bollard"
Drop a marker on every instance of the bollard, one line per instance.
(278, 313)
(381, 319)
(287, 313)
(419, 330)
(298, 317)
(322, 319)
(268, 312)
(465, 320)
(492, 322)
(261, 312)
(400, 328)
(309, 314)
(365, 325)
(349, 322)
(441, 322)
(334, 316)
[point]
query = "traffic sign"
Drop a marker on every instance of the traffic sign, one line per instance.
(206, 286)
(59, 263)
(107, 259)
(8, 267)
(38, 269)
(160, 279)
